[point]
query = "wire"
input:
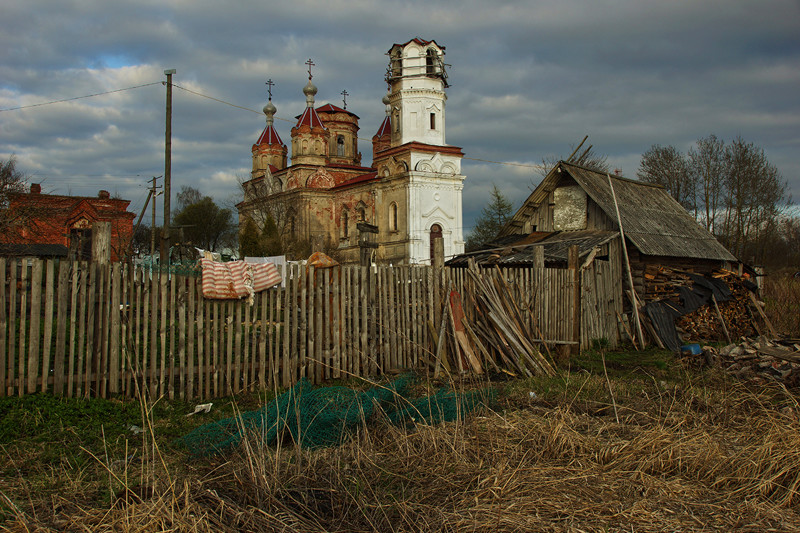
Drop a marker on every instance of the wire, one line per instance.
(80, 97)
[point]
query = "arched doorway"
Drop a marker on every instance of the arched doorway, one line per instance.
(436, 233)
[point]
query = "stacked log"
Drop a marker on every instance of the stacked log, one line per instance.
(716, 321)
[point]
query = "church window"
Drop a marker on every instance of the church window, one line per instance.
(396, 119)
(305, 147)
(430, 62)
(318, 147)
(393, 216)
(436, 233)
(362, 214)
(340, 145)
(433, 121)
(345, 229)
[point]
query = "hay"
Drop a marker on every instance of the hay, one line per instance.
(686, 460)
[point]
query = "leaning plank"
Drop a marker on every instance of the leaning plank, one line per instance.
(460, 334)
(766, 320)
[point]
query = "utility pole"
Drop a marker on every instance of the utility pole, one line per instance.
(165, 244)
(150, 194)
(153, 195)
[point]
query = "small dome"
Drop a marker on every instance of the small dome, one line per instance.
(269, 109)
(385, 99)
(310, 89)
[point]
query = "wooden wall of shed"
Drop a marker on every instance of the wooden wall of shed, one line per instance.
(541, 219)
(601, 297)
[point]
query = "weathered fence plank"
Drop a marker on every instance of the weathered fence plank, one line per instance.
(133, 330)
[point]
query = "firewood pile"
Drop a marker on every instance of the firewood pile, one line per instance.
(757, 360)
(737, 313)
(737, 317)
(495, 337)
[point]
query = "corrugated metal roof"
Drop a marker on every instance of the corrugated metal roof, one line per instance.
(652, 220)
(520, 252)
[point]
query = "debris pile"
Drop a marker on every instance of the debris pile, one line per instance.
(756, 360)
(496, 337)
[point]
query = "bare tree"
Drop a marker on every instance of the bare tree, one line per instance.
(755, 197)
(188, 196)
(274, 215)
(666, 166)
(13, 219)
(706, 166)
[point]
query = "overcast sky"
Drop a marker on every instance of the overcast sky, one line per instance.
(528, 81)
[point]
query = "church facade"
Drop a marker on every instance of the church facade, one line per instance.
(326, 199)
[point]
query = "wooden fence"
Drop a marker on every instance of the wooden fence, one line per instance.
(85, 329)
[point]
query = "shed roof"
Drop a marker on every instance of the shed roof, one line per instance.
(652, 220)
(518, 250)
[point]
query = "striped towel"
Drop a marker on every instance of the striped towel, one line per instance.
(236, 279)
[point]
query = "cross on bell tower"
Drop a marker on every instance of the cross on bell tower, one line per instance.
(344, 94)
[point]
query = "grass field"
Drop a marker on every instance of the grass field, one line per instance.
(617, 441)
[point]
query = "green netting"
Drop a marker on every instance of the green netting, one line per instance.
(326, 416)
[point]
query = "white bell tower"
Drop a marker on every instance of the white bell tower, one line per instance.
(417, 80)
(425, 180)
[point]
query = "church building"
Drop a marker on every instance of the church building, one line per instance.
(327, 200)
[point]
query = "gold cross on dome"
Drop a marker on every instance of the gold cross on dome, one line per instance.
(310, 64)
(269, 85)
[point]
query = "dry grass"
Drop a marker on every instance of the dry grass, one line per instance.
(681, 458)
(781, 292)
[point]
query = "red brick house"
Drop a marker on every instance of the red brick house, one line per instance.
(61, 226)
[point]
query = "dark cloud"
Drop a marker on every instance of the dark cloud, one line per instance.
(529, 80)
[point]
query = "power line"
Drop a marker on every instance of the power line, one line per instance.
(225, 102)
(80, 97)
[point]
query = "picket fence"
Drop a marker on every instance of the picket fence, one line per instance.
(84, 329)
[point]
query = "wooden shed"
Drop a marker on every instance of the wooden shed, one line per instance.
(574, 206)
